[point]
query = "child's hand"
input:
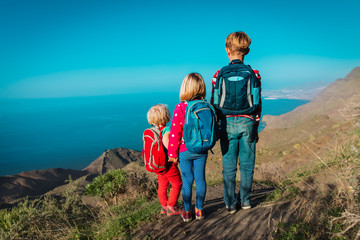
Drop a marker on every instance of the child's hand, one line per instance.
(174, 160)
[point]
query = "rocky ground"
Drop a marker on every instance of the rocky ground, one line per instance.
(255, 223)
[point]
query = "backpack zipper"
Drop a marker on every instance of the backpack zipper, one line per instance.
(200, 109)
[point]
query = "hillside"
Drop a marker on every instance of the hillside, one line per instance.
(292, 139)
(38, 182)
(306, 186)
(333, 102)
(114, 159)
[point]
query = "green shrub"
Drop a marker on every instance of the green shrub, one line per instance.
(46, 218)
(66, 217)
(107, 185)
(119, 220)
(298, 230)
(283, 193)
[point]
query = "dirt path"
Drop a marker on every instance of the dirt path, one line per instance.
(255, 223)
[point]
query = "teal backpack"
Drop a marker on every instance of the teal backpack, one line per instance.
(200, 127)
(237, 90)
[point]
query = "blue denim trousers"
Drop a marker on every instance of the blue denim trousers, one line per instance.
(192, 166)
(238, 140)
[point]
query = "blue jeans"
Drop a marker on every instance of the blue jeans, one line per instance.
(238, 139)
(192, 166)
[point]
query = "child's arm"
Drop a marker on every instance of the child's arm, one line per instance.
(165, 140)
(175, 134)
(213, 83)
(257, 74)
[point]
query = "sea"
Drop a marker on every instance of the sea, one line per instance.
(72, 132)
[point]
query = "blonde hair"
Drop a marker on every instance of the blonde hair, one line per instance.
(238, 43)
(193, 86)
(158, 114)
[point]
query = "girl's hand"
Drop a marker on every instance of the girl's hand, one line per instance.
(174, 160)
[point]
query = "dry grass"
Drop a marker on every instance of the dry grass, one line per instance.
(328, 203)
(350, 223)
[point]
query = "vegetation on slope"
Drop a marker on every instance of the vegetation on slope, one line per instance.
(325, 191)
(68, 216)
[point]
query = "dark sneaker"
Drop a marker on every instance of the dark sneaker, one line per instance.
(245, 206)
(199, 214)
(175, 210)
(186, 216)
(231, 210)
(163, 210)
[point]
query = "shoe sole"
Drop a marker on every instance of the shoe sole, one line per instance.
(199, 218)
(187, 220)
(246, 207)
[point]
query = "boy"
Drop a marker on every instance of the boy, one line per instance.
(239, 117)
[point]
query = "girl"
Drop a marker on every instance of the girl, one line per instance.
(192, 165)
(159, 116)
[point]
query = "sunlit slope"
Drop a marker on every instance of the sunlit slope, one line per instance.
(330, 102)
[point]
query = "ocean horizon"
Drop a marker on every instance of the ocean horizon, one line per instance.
(72, 132)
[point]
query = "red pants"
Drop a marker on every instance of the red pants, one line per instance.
(173, 177)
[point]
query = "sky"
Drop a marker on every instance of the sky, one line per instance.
(73, 48)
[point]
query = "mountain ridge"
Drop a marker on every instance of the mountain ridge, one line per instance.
(35, 183)
(330, 101)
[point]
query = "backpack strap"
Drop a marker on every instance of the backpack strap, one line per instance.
(157, 131)
(198, 97)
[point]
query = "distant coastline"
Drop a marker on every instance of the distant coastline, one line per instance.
(307, 91)
(270, 98)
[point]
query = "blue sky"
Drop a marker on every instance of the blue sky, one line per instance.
(83, 48)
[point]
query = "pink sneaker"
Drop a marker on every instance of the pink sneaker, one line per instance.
(199, 214)
(186, 216)
(163, 210)
(175, 210)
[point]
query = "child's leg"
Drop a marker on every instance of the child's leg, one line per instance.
(247, 145)
(186, 165)
(199, 174)
(176, 184)
(163, 185)
(229, 147)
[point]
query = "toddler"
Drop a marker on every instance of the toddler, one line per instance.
(159, 116)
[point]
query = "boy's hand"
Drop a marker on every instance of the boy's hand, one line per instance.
(174, 160)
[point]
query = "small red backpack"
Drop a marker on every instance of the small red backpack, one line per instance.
(153, 151)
